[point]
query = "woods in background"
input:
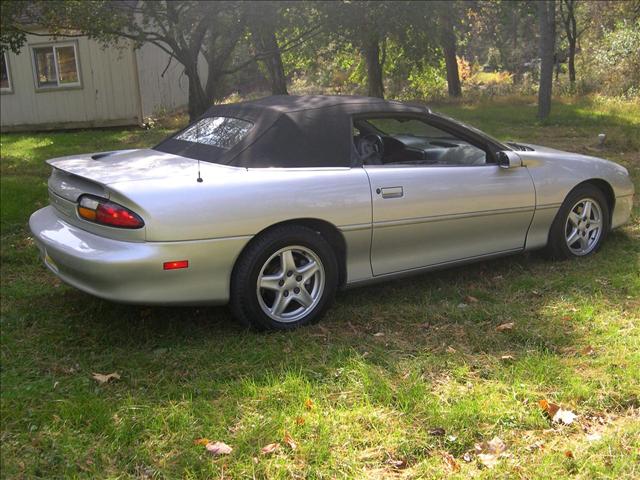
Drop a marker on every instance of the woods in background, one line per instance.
(401, 49)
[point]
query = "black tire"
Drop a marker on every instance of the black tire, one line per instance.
(557, 247)
(244, 301)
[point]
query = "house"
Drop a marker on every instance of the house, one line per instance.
(74, 82)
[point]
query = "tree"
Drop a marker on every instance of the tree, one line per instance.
(366, 25)
(568, 15)
(448, 12)
(264, 20)
(547, 22)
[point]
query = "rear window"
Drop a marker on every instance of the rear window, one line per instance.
(221, 132)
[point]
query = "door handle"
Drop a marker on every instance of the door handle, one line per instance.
(391, 192)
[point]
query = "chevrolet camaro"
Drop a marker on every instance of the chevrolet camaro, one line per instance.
(272, 205)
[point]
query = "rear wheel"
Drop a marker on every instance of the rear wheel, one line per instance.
(581, 224)
(286, 278)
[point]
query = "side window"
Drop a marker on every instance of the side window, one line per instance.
(400, 140)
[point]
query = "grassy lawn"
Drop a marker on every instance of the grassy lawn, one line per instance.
(401, 379)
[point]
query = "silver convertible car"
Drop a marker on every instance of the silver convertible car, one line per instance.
(272, 205)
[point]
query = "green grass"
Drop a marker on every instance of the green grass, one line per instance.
(388, 363)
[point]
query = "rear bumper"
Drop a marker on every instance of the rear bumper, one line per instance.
(132, 272)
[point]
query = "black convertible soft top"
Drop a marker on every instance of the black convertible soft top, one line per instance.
(289, 131)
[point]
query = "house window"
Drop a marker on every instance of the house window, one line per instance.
(56, 66)
(5, 77)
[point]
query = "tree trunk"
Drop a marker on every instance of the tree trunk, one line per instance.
(572, 61)
(546, 17)
(371, 51)
(451, 62)
(198, 101)
(275, 69)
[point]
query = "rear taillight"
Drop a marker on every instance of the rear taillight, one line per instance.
(104, 212)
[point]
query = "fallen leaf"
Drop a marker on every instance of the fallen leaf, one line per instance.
(504, 327)
(450, 462)
(201, 441)
(507, 358)
(397, 464)
(490, 452)
(568, 454)
(450, 349)
(437, 431)
(288, 439)
(557, 414)
(564, 416)
(594, 437)
(299, 420)
(269, 449)
(308, 404)
(588, 350)
(218, 448)
(102, 378)
(537, 445)
(470, 299)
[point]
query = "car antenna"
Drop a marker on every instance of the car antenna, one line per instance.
(199, 179)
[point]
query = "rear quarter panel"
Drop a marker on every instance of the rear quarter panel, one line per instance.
(237, 202)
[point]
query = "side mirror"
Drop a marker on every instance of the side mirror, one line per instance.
(509, 159)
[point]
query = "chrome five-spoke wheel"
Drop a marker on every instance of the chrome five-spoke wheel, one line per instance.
(290, 283)
(583, 227)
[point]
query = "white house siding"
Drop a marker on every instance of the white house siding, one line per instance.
(108, 94)
(163, 92)
(160, 92)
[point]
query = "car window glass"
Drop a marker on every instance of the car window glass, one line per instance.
(222, 132)
(411, 141)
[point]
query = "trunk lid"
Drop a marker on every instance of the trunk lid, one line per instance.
(78, 174)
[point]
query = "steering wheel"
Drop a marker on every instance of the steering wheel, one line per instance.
(371, 148)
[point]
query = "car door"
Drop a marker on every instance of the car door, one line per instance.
(461, 207)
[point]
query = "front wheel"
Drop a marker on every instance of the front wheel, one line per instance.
(286, 278)
(581, 224)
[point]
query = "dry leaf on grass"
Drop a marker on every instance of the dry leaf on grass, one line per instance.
(490, 452)
(269, 449)
(470, 299)
(288, 440)
(505, 327)
(568, 454)
(102, 378)
(201, 441)
(594, 437)
(557, 414)
(218, 448)
(299, 420)
(308, 404)
(397, 464)
(537, 445)
(507, 358)
(450, 462)
(588, 350)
